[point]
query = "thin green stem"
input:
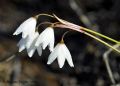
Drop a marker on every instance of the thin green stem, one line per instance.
(103, 42)
(101, 35)
(65, 34)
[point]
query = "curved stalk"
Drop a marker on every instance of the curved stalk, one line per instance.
(43, 14)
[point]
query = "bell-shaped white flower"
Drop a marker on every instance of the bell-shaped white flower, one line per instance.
(46, 38)
(60, 52)
(29, 44)
(27, 27)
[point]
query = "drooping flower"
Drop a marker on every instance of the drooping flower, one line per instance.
(29, 44)
(60, 52)
(46, 38)
(27, 27)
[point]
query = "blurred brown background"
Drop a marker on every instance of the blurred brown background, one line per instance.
(100, 15)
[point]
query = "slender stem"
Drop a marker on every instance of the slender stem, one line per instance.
(65, 34)
(103, 42)
(109, 70)
(106, 60)
(43, 14)
(101, 35)
(85, 29)
(49, 23)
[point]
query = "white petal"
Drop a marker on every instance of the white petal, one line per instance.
(39, 49)
(52, 57)
(45, 37)
(32, 48)
(31, 51)
(45, 43)
(18, 31)
(28, 21)
(51, 44)
(24, 35)
(61, 59)
(28, 30)
(67, 55)
(29, 41)
(31, 38)
(21, 44)
(39, 40)
(51, 39)
(31, 21)
(21, 48)
(53, 54)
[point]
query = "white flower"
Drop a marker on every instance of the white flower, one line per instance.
(46, 38)
(60, 52)
(29, 44)
(27, 27)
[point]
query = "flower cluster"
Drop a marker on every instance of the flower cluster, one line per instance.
(31, 41)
